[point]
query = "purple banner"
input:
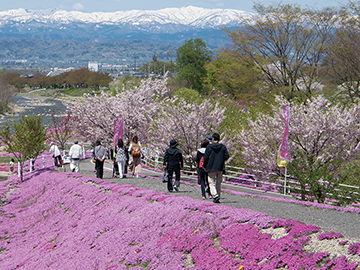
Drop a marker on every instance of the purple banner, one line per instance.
(284, 148)
(118, 130)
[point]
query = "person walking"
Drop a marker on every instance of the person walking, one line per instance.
(128, 161)
(214, 161)
(121, 157)
(136, 153)
(56, 154)
(100, 155)
(173, 162)
(75, 154)
(12, 165)
(201, 169)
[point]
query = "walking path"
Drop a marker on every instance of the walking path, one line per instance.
(345, 223)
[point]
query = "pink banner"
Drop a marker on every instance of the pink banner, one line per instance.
(118, 130)
(284, 148)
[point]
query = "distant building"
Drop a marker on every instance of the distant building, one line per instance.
(93, 66)
(57, 71)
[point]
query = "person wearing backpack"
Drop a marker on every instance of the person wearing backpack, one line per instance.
(136, 153)
(201, 169)
(173, 162)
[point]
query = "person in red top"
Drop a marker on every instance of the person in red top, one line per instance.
(201, 169)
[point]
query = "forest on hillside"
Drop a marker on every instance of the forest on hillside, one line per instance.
(70, 50)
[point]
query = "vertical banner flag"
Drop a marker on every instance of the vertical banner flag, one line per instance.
(283, 154)
(118, 130)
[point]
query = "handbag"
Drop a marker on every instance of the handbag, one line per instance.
(93, 160)
(165, 177)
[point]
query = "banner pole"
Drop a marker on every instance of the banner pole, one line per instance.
(285, 180)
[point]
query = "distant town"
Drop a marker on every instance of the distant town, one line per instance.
(53, 68)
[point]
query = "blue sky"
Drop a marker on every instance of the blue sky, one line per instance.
(118, 5)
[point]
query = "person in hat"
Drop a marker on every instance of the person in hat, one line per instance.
(208, 138)
(75, 154)
(55, 154)
(173, 162)
(100, 155)
(214, 162)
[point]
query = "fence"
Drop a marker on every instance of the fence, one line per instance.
(238, 176)
(234, 175)
(47, 161)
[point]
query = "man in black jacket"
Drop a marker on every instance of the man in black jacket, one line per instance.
(214, 162)
(173, 162)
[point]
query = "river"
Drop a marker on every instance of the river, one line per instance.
(34, 105)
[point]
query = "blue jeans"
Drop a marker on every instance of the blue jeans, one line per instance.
(203, 181)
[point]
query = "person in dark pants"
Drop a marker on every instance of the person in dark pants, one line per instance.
(56, 154)
(214, 162)
(173, 162)
(201, 169)
(100, 155)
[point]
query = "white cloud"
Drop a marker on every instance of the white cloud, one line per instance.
(218, 3)
(78, 6)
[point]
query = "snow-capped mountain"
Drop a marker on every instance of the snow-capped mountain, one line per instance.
(170, 24)
(187, 16)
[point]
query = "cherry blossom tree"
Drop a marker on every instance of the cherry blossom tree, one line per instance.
(323, 136)
(188, 123)
(61, 128)
(137, 106)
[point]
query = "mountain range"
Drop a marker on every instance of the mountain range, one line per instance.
(165, 25)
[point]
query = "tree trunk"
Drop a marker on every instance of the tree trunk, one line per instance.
(21, 171)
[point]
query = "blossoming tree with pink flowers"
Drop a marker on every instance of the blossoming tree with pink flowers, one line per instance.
(137, 106)
(188, 123)
(323, 136)
(62, 128)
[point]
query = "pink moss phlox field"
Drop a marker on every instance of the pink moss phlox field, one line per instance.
(330, 235)
(69, 221)
(354, 209)
(354, 249)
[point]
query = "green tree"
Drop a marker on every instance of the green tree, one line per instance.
(191, 59)
(24, 138)
(287, 43)
(6, 93)
(235, 75)
(189, 95)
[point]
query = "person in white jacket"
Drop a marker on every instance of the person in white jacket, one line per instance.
(56, 154)
(75, 154)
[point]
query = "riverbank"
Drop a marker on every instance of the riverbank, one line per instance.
(31, 104)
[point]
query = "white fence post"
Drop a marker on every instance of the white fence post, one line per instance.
(19, 168)
(31, 164)
(157, 152)
(43, 159)
(285, 180)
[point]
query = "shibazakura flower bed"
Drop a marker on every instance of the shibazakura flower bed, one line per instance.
(68, 221)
